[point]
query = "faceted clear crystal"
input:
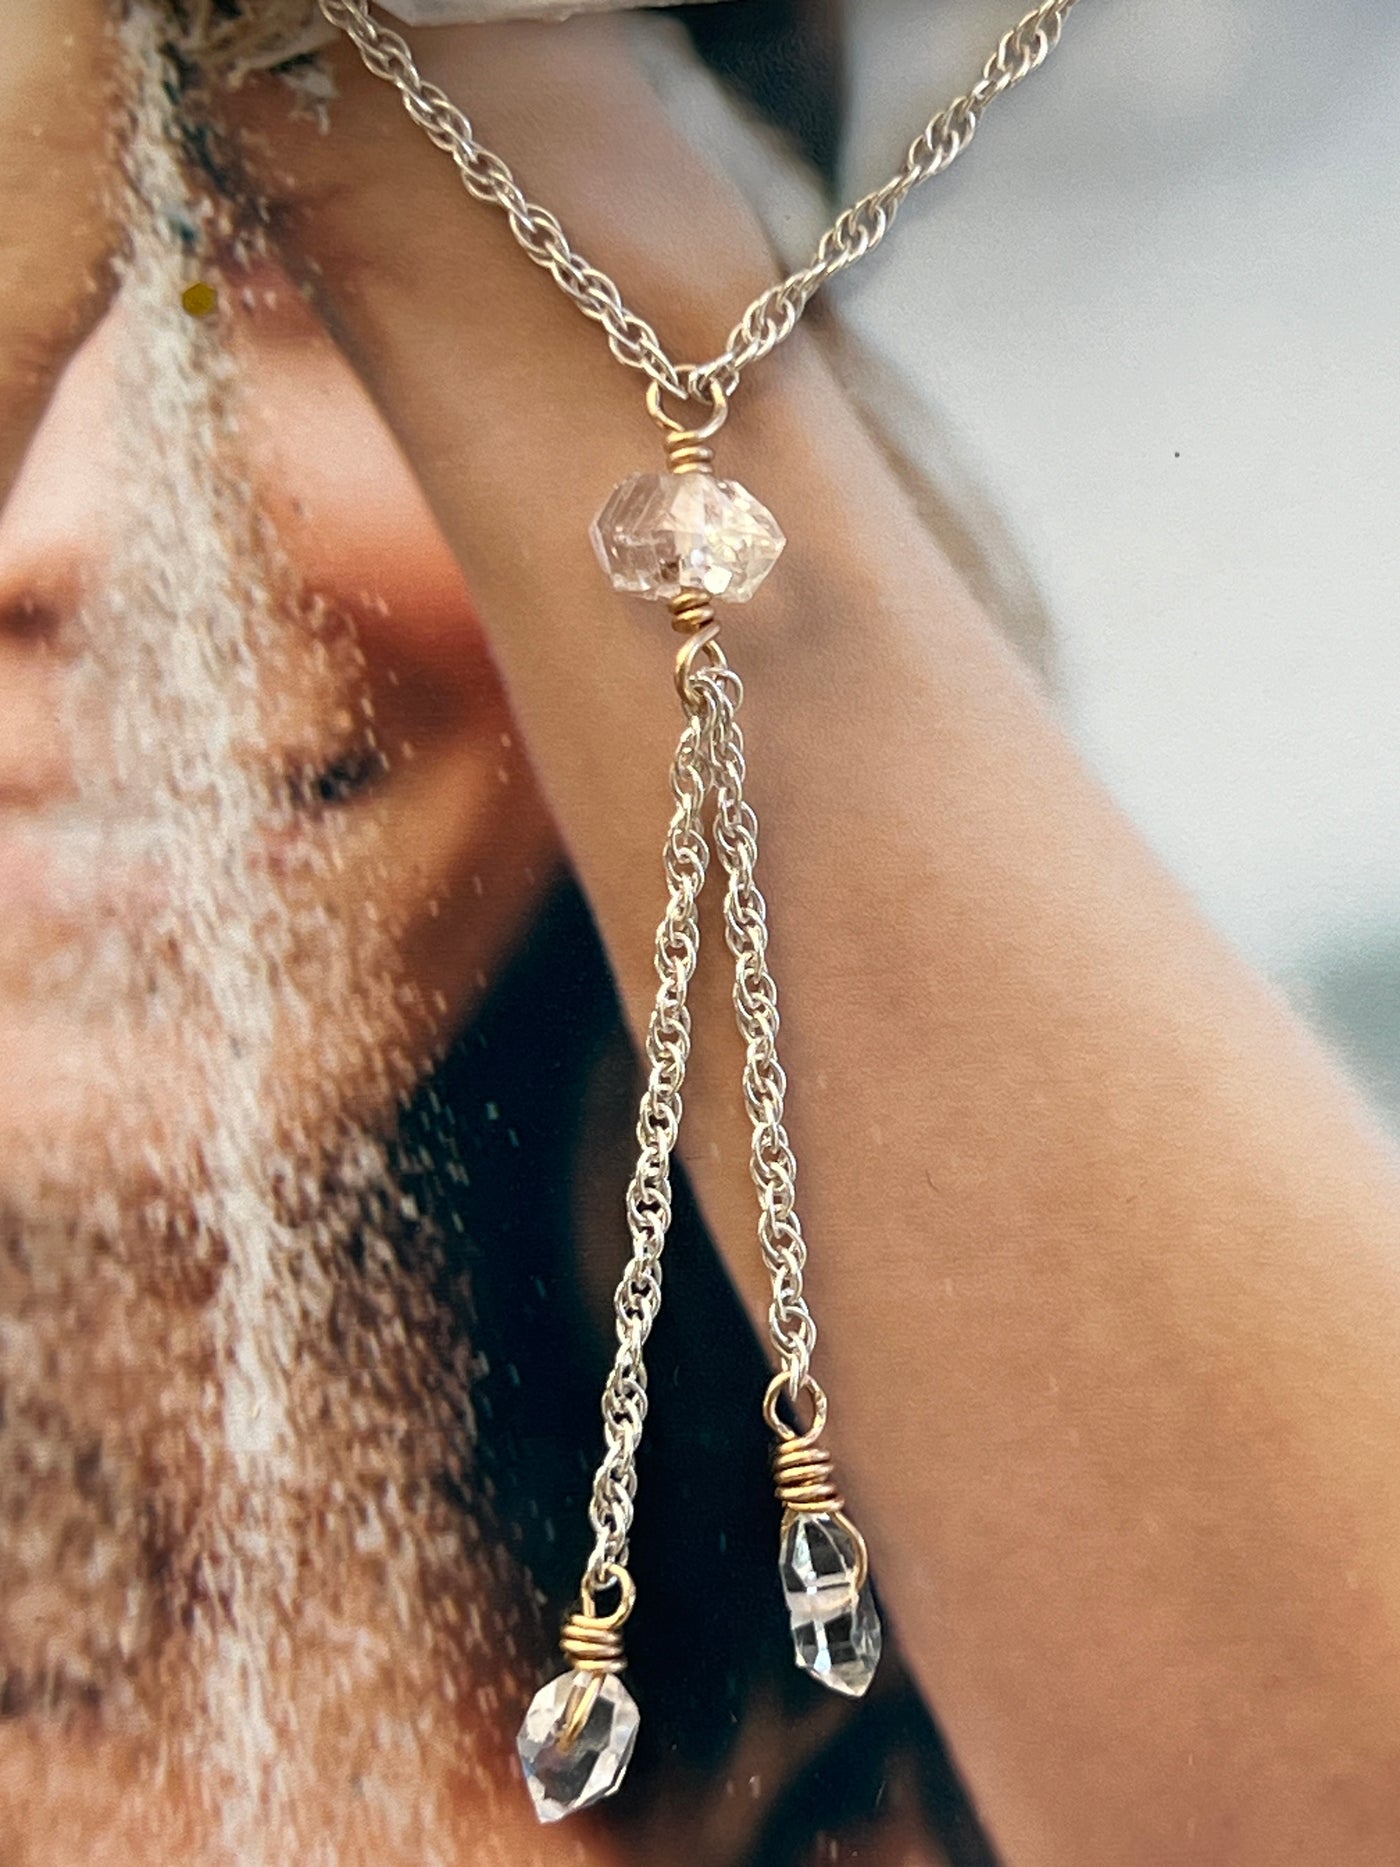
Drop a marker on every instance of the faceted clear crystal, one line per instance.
(663, 533)
(592, 1767)
(835, 1629)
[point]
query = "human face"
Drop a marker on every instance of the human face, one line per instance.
(404, 843)
(266, 834)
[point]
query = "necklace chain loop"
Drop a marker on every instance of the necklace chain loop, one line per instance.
(638, 1298)
(774, 314)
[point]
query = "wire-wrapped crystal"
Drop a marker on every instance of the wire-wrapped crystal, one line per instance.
(567, 1771)
(835, 1627)
(662, 534)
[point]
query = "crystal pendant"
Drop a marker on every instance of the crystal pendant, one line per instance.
(835, 1628)
(661, 534)
(562, 1778)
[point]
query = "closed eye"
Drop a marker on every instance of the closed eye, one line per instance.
(314, 789)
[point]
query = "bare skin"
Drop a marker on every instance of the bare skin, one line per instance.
(1103, 1245)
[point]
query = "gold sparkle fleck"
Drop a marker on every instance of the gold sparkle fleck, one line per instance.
(200, 299)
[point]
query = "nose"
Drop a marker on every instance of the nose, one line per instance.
(39, 596)
(55, 531)
(41, 573)
(57, 524)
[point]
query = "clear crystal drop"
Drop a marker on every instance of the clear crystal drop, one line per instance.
(835, 1630)
(561, 1781)
(663, 533)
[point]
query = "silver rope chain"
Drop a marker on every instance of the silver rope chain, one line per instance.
(773, 315)
(709, 760)
(638, 1297)
(772, 1163)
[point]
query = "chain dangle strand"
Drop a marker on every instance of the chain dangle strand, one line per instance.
(771, 1162)
(682, 537)
(772, 316)
(638, 1297)
(823, 1561)
(580, 1729)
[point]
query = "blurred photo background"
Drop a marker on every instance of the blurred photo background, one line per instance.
(1158, 313)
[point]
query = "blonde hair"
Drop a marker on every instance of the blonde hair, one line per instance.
(244, 37)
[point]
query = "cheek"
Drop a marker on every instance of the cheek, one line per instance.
(387, 610)
(450, 855)
(456, 848)
(351, 518)
(469, 852)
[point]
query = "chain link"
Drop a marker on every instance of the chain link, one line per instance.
(772, 316)
(771, 1160)
(638, 1297)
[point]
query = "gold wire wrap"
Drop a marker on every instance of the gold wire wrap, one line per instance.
(686, 452)
(582, 1699)
(692, 611)
(804, 1478)
(592, 1644)
(804, 1473)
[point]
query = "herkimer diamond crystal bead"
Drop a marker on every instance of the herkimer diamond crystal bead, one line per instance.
(835, 1627)
(563, 1778)
(663, 534)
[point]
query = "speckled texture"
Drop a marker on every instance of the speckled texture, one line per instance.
(238, 1539)
(273, 30)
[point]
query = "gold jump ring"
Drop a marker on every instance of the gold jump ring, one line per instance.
(776, 1387)
(607, 1575)
(702, 642)
(717, 419)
